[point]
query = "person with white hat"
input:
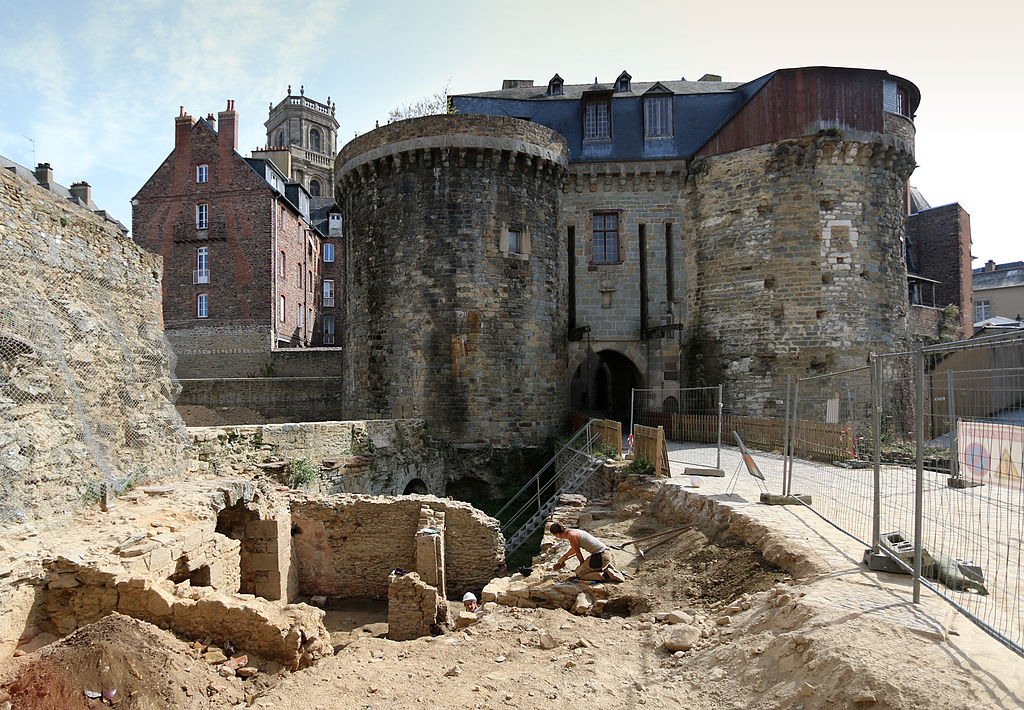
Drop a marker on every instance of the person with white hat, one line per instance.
(469, 601)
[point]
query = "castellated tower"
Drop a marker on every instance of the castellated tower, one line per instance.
(303, 133)
(456, 277)
(798, 258)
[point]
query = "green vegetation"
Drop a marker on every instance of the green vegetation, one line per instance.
(640, 466)
(302, 473)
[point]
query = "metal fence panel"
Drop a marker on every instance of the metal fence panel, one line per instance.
(830, 449)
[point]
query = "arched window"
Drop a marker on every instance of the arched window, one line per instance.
(314, 188)
(314, 140)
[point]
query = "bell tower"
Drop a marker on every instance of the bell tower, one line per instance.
(308, 130)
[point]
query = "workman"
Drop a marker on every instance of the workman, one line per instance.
(469, 601)
(598, 566)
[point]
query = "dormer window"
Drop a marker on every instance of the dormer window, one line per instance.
(623, 83)
(555, 86)
(596, 118)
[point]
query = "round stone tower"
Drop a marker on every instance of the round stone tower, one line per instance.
(456, 293)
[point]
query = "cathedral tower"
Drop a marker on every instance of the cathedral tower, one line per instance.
(307, 131)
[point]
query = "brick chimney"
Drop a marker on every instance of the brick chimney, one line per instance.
(82, 191)
(44, 174)
(182, 129)
(228, 134)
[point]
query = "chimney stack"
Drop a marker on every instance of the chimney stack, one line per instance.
(989, 265)
(228, 134)
(83, 192)
(44, 174)
(182, 130)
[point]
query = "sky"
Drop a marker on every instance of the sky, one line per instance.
(93, 87)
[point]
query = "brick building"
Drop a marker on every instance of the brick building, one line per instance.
(246, 251)
(938, 268)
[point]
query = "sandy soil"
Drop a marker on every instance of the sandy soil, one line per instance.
(759, 640)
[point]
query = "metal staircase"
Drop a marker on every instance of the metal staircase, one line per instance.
(570, 468)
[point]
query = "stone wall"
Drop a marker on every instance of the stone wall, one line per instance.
(795, 261)
(443, 321)
(246, 351)
(85, 375)
(373, 457)
(348, 545)
(251, 400)
(634, 304)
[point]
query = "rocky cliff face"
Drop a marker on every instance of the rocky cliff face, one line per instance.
(85, 376)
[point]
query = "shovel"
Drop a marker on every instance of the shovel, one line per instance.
(667, 535)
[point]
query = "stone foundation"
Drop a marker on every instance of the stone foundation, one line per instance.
(415, 608)
(386, 457)
(346, 546)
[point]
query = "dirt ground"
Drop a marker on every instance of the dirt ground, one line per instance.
(758, 640)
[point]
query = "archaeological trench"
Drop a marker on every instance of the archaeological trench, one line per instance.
(111, 509)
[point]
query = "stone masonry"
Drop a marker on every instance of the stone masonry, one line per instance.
(348, 545)
(85, 375)
(444, 321)
(375, 457)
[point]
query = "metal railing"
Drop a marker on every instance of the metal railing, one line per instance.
(566, 472)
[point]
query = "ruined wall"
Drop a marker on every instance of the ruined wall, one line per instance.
(795, 260)
(374, 457)
(443, 321)
(348, 545)
(245, 351)
(85, 376)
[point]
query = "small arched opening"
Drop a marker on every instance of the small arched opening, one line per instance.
(415, 487)
(314, 140)
(314, 188)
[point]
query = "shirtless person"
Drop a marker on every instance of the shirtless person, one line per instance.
(597, 567)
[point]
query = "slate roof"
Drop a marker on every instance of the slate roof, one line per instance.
(319, 211)
(573, 92)
(1004, 276)
(29, 176)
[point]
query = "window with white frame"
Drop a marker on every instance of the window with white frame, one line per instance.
(202, 173)
(310, 320)
(328, 293)
(281, 309)
(328, 252)
(309, 281)
(658, 116)
(596, 125)
(298, 275)
(334, 222)
(982, 309)
(202, 273)
(328, 330)
(298, 314)
(202, 216)
(281, 265)
(202, 305)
